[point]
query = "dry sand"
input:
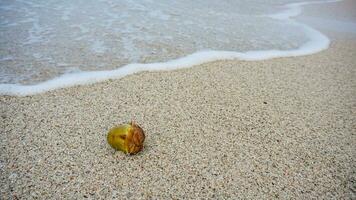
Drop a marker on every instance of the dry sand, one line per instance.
(281, 128)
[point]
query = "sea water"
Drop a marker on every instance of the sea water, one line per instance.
(53, 44)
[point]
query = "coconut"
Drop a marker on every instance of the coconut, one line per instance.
(128, 138)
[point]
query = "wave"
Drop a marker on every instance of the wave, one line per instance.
(316, 43)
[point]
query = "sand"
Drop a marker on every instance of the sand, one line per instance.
(281, 128)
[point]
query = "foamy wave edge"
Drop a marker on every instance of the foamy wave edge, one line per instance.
(317, 42)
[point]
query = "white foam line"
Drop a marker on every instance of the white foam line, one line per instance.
(317, 42)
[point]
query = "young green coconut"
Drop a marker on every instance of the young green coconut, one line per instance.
(128, 138)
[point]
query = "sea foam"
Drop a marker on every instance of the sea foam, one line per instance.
(316, 42)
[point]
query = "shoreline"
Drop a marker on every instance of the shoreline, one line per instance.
(317, 42)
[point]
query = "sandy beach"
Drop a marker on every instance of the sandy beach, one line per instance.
(281, 128)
